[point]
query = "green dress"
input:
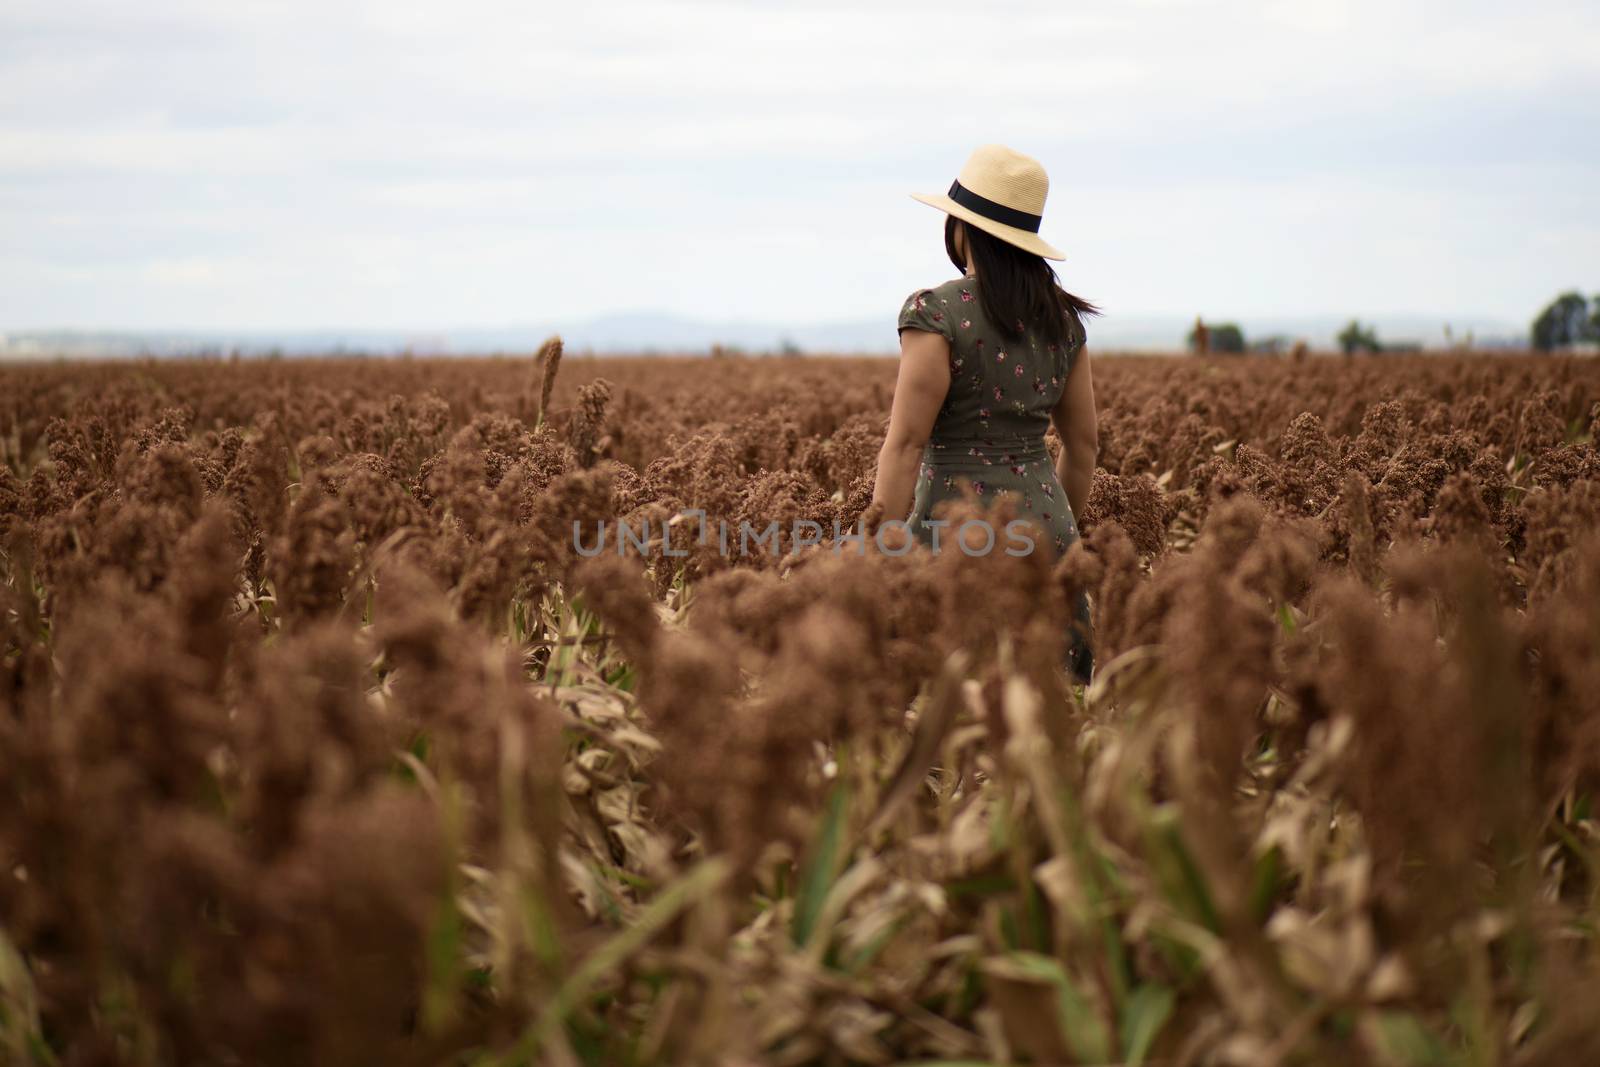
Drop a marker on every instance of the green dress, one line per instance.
(990, 430)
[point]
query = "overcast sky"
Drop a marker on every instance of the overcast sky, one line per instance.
(275, 165)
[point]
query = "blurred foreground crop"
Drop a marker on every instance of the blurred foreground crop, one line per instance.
(320, 744)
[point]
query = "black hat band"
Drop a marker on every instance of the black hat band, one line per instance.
(982, 205)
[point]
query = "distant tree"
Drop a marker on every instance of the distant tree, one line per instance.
(1566, 321)
(1227, 338)
(1358, 338)
(1224, 337)
(788, 348)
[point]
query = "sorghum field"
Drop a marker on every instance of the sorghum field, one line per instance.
(321, 744)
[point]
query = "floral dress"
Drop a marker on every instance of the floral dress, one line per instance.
(990, 430)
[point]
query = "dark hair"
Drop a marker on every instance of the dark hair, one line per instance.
(1017, 287)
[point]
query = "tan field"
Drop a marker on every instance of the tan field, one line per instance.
(322, 740)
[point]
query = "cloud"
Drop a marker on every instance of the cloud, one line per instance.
(181, 163)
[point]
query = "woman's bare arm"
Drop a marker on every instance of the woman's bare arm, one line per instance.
(1074, 420)
(919, 392)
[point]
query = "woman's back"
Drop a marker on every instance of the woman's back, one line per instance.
(1002, 392)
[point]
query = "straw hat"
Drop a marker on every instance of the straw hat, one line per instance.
(1001, 192)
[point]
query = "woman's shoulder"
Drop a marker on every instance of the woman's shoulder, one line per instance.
(944, 298)
(956, 290)
(935, 307)
(940, 293)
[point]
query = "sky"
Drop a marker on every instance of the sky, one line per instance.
(189, 164)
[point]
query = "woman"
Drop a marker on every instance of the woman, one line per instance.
(987, 362)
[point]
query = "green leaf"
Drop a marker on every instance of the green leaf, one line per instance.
(1143, 1016)
(20, 1032)
(868, 952)
(1008, 928)
(981, 885)
(609, 956)
(823, 867)
(1407, 1040)
(1177, 872)
(444, 965)
(623, 678)
(1267, 883)
(1081, 1026)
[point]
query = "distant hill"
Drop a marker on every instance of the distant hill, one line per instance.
(647, 332)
